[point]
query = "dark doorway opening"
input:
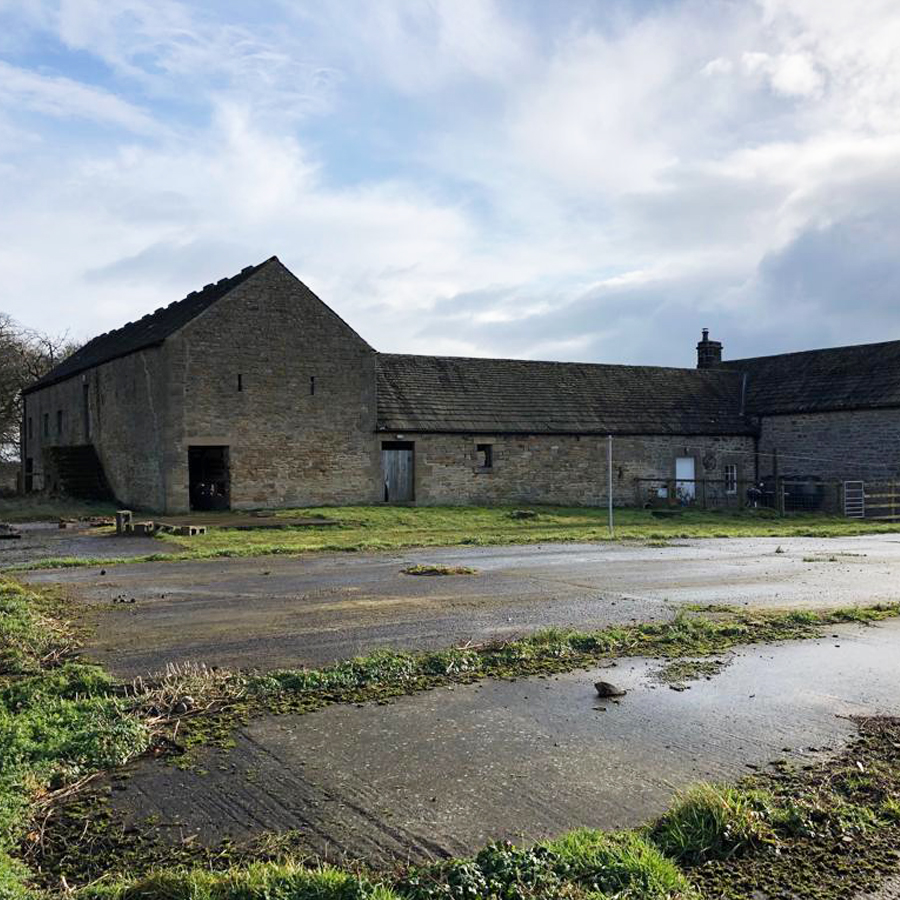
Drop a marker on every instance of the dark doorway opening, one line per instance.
(398, 471)
(209, 478)
(29, 474)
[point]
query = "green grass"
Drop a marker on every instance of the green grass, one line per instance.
(259, 881)
(373, 528)
(714, 822)
(60, 721)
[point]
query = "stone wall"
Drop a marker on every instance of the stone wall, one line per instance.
(126, 408)
(834, 446)
(566, 470)
(242, 377)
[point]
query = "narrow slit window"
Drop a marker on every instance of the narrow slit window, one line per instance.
(240, 382)
(46, 424)
(485, 455)
(59, 423)
(312, 385)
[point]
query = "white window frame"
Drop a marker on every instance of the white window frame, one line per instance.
(731, 483)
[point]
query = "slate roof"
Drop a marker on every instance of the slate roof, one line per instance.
(149, 331)
(453, 394)
(864, 376)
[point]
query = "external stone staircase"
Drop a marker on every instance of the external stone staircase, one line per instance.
(77, 472)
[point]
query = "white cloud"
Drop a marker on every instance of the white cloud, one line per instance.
(62, 97)
(455, 176)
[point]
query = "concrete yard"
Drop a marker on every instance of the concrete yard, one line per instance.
(448, 770)
(276, 612)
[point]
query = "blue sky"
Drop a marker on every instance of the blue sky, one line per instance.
(566, 180)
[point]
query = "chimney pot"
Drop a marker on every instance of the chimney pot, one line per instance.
(709, 353)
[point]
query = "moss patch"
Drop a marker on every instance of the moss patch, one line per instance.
(439, 570)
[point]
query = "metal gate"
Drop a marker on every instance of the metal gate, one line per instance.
(397, 469)
(855, 499)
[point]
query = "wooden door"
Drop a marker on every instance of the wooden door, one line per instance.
(398, 471)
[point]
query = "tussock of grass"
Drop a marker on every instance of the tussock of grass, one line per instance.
(623, 864)
(713, 822)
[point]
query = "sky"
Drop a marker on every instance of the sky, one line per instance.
(590, 180)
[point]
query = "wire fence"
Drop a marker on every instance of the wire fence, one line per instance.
(782, 495)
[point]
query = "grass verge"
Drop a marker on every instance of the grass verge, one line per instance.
(372, 528)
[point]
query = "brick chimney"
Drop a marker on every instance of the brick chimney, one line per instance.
(709, 353)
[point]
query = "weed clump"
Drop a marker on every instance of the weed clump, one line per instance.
(714, 822)
(429, 569)
(582, 864)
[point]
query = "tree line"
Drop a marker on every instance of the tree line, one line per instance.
(25, 355)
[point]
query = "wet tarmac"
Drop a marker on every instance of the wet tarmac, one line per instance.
(277, 612)
(43, 540)
(446, 771)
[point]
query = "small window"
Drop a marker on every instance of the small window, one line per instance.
(731, 478)
(240, 382)
(485, 455)
(46, 424)
(59, 422)
(312, 385)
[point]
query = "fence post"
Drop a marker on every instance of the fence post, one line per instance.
(703, 492)
(780, 494)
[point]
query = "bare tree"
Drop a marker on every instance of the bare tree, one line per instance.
(25, 356)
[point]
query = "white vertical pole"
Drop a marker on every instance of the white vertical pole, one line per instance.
(610, 485)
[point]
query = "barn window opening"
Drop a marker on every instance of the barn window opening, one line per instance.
(59, 422)
(485, 455)
(46, 424)
(731, 478)
(312, 384)
(240, 382)
(86, 410)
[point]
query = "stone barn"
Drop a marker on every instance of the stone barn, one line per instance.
(253, 393)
